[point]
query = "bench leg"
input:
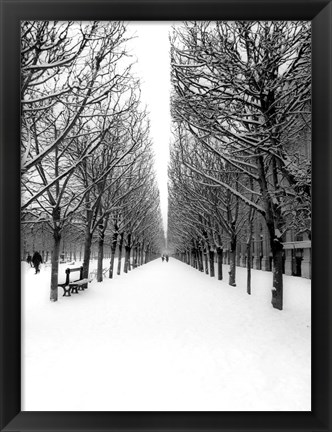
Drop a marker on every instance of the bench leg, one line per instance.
(74, 289)
(66, 292)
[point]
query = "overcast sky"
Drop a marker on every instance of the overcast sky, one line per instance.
(151, 47)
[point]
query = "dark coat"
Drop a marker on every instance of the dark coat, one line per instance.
(36, 259)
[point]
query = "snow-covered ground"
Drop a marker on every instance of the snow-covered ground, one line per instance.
(165, 337)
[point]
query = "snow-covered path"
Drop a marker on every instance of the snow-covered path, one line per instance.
(166, 337)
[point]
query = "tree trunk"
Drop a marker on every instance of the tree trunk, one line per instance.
(127, 254)
(276, 249)
(206, 258)
(55, 265)
(148, 254)
(146, 258)
(87, 252)
(232, 262)
(141, 255)
(100, 257)
(196, 259)
(277, 290)
(127, 257)
(211, 258)
(249, 252)
(135, 256)
(199, 259)
(113, 249)
(219, 258)
(249, 266)
(138, 255)
(139, 258)
(273, 217)
(120, 253)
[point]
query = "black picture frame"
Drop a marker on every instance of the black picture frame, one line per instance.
(12, 419)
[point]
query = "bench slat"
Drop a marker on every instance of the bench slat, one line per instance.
(79, 282)
(74, 269)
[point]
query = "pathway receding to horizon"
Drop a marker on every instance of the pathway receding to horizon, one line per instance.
(166, 337)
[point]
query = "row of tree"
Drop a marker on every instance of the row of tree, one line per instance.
(87, 162)
(241, 107)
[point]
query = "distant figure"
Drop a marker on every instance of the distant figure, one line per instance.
(162, 258)
(166, 258)
(37, 260)
(29, 260)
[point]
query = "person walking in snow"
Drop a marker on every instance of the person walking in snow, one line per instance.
(37, 260)
(29, 259)
(166, 258)
(162, 258)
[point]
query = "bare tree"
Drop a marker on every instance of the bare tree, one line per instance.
(71, 91)
(238, 87)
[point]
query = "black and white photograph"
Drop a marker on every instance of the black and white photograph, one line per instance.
(166, 215)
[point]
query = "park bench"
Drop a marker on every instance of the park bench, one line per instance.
(93, 273)
(72, 287)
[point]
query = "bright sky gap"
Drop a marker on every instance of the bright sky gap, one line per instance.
(150, 46)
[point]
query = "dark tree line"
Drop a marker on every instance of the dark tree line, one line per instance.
(241, 106)
(87, 171)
